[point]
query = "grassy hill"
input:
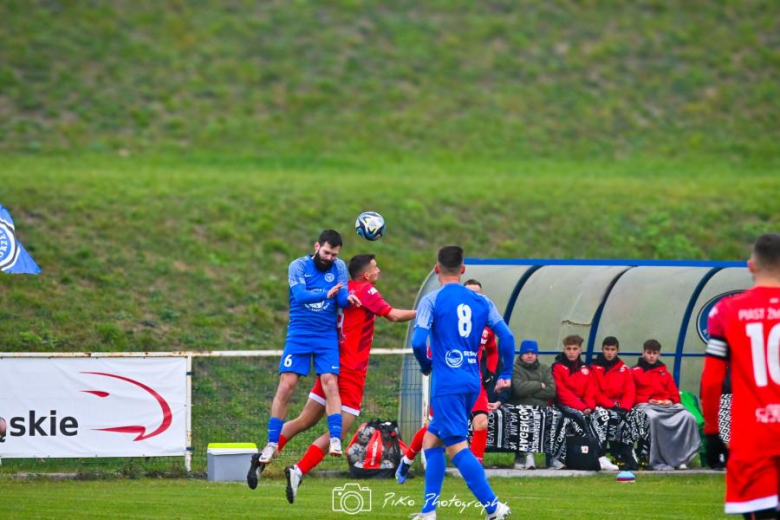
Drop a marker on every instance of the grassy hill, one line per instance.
(349, 77)
(157, 254)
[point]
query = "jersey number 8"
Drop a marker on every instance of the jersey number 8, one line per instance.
(464, 320)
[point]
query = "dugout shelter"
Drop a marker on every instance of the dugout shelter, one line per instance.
(633, 300)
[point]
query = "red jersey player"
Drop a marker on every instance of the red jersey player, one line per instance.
(479, 412)
(744, 333)
(357, 335)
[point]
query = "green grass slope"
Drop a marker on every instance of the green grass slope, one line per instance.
(169, 254)
(498, 78)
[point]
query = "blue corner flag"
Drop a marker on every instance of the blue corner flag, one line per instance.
(14, 258)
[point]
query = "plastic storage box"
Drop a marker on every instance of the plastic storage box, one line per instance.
(229, 462)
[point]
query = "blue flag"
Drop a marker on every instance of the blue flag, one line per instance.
(14, 258)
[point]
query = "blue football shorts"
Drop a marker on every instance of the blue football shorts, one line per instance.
(451, 421)
(297, 358)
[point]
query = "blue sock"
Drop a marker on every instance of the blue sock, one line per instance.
(274, 429)
(436, 464)
(334, 425)
(472, 472)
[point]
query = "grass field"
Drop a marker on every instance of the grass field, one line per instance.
(652, 496)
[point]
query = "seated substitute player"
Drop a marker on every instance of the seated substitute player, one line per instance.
(454, 317)
(479, 412)
(616, 392)
(745, 333)
(355, 348)
(669, 436)
(532, 385)
(575, 390)
(315, 281)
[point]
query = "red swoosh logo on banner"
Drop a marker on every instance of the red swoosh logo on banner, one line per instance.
(140, 430)
(98, 393)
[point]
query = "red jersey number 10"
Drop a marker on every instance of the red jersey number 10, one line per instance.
(766, 353)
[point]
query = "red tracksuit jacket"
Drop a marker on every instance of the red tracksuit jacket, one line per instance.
(614, 384)
(574, 385)
(654, 382)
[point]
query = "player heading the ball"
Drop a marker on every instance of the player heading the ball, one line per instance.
(318, 289)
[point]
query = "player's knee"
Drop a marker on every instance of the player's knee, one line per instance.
(330, 383)
(287, 385)
(480, 421)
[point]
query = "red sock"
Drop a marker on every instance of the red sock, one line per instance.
(478, 443)
(416, 445)
(282, 442)
(311, 458)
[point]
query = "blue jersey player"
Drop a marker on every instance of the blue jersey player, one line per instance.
(318, 288)
(454, 317)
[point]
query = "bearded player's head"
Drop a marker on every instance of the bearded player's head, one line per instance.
(326, 249)
(449, 263)
(764, 263)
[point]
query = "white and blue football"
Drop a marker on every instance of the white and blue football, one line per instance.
(370, 225)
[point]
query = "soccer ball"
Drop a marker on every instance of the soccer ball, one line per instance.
(364, 435)
(370, 225)
(356, 453)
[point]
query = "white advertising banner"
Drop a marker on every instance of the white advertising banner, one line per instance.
(93, 407)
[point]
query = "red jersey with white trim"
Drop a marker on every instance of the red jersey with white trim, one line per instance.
(357, 325)
(490, 348)
(745, 332)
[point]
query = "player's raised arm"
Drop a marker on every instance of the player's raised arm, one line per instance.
(400, 315)
(298, 285)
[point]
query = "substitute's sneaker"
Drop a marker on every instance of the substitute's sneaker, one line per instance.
(682, 466)
(268, 453)
(557, 464)
(530, 463)
(294, 478)
(403, 470)
(502, 511)
(430, 515)
(606, 465)
(255, 469)
(335, 447)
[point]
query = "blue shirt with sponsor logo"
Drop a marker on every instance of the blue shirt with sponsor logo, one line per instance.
(455, 317)
(313, 317)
